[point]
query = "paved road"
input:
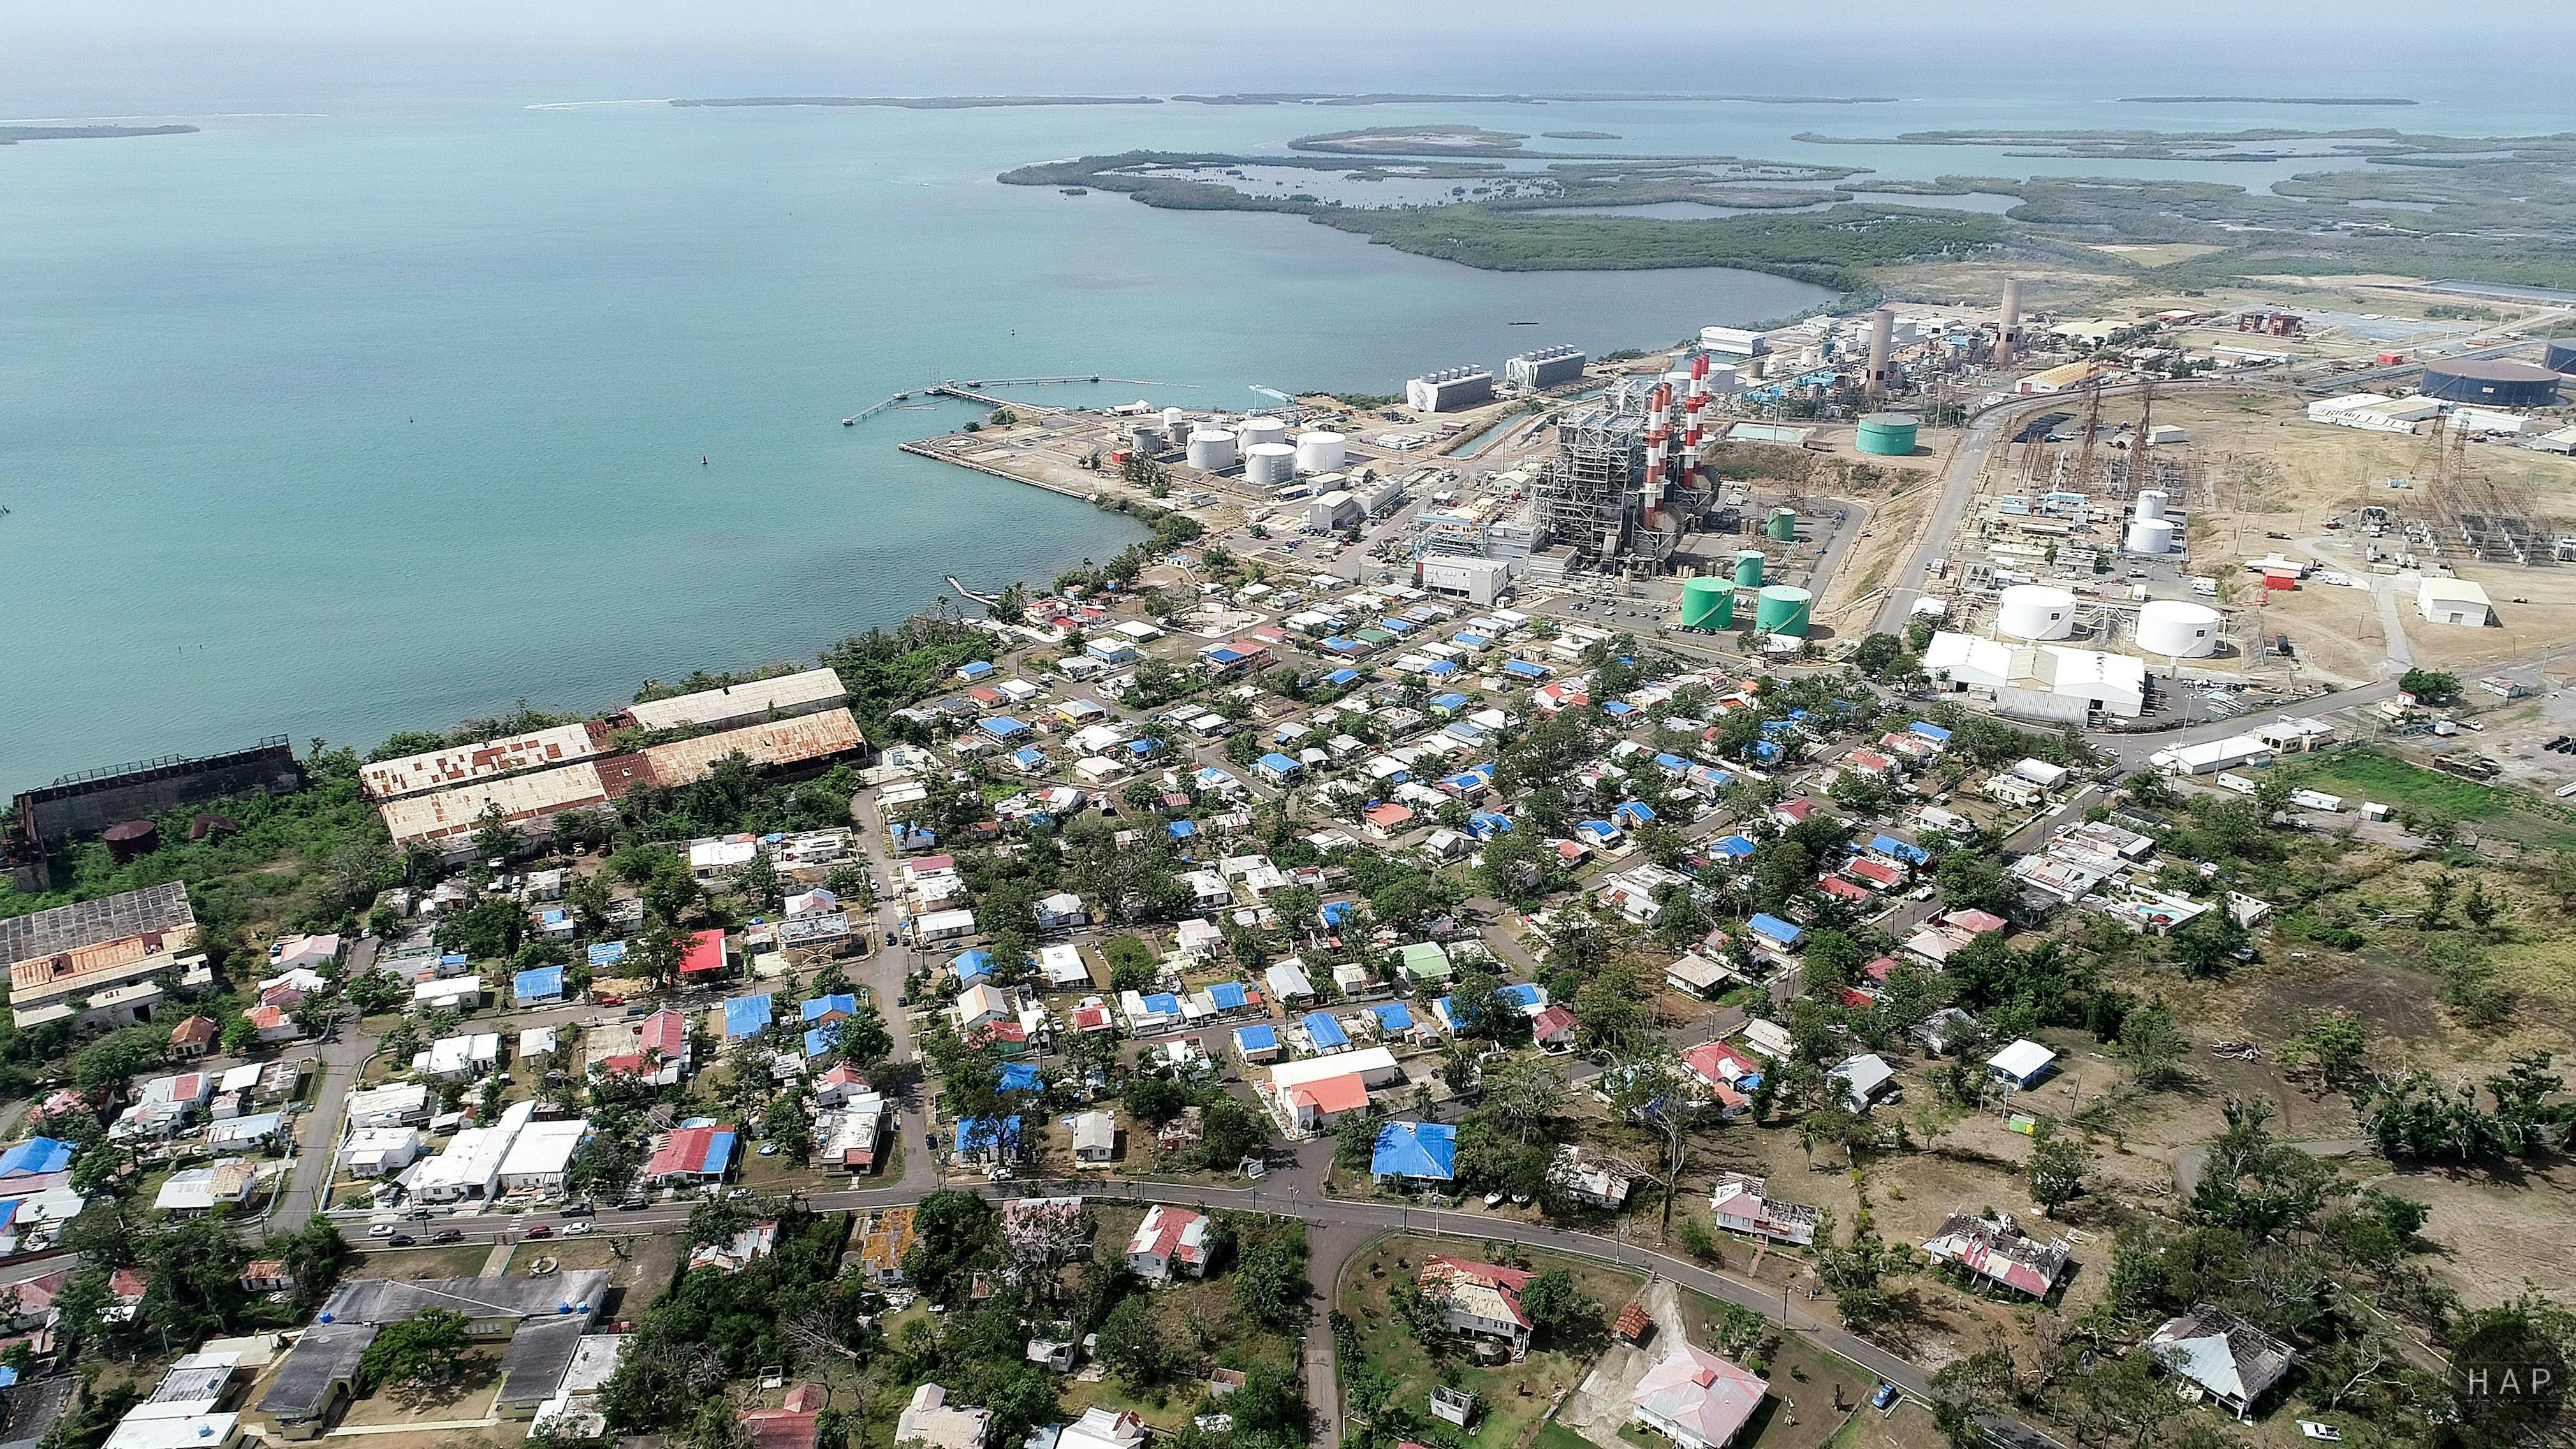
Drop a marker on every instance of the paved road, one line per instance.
(1959, 485)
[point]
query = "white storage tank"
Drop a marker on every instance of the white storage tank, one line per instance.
(1174, 420)
(2178, 630)
(2151, 503)
(2036, 611)
(1319, 452)
(2151, 536)
(1269, 464)
(1211, 450)
(1258, 430)
(1148, 437)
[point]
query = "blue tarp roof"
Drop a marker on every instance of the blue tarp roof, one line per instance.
(719, 1151)
(1341, 676)
(818, 1040)
(1634, 812)
(1145, 746)
(1602, 829)
(1028, 756)
(1890, 845)
(1765, 750)
(535, 985)
(1735, 845)
(971, 964)
(1486, 823)
(607, 953)
(1618, 709)
(1334, 913)
(1182, 829)
(1326, 1032)
(1775, 928)
(1523, 994)
(1929, 731)
(1020, 1077)
(1163, 1003)
(1470, 640)
(1002, 727)
(844, 1002)
(1524, 669)
(1427, 1150)
(1441, 668)
(1448, 701)
(976, 669)
(1256, 1039)
(1391, 1016)
(1229, 995)
(35, 1155)
(1280, 764)
(976, 1133)
(746, 1016)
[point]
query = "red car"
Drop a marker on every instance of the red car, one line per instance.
(609, 1001)
(541, 1230)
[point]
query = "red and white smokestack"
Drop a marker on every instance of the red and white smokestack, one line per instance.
(1699, 368)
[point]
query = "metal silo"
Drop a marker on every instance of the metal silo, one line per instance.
(1780, 609)
(1269, 464)
(1888, 435)
(1708, 603)
(1211, 450)
(1748, 569)
(1319, 452)
(1260, 429)
(1784, 525)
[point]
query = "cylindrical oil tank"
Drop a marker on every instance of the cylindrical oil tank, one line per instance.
(131, 839)
(1748, 568)
(1211, 450)
(2151, 503)
(2151, 536)
(1784, 525)
(1148, 437)
(2177, 629)
(1174, 420)
(1780, 609)
(1708, 603)
(2035, 611)
(2495, 382)
(1254, 430)
(1889, 435)
(1269, 464)
(2560, 357)
(1319, 452)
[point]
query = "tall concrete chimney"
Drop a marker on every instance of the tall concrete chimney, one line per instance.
(1882, 341)
(2008, 341)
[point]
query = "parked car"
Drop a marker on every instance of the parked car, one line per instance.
(401, 1240)
(577, 1210)
(417, 1215)
(631, 1205)
(541, 1230)
(1885, 1395)
(573, 1230)
(609, 1001)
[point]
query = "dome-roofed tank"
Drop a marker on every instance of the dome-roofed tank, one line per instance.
(1887, 435)
(2035, 611)
(1708, 603)
(1269, 464)
(1748, 568)
(2150, 536)
(2151, 503)
(1780, 609)
(2177, 629)
(1319, 452)
(1261, 429)
(1211, 450)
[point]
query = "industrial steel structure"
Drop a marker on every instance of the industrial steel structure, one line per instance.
(1625, 484)
(1449, 389)
(1545, 367)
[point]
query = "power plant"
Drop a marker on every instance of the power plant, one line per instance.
(1545, 367)
(2178, 630)
(1625, 483)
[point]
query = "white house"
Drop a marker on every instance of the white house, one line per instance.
(540, 1156)
(1170, 1242)
(1695, 1398)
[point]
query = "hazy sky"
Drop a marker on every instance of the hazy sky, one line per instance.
(57, 48)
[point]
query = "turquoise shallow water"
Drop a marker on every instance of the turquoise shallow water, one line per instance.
(389, 412)
(344, 424)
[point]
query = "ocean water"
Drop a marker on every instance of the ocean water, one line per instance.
(385, 409)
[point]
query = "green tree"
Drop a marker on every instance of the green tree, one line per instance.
(1555, 1306)
(758, 885)
(1270, 1280)
(2056, 1169)
(2208, 944)
(2335, 1043)
(422, 1354)
(493, 837)
(2430, 687)
(1132, 1345)
(2152, 1043)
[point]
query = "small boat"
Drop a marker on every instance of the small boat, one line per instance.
(1520, 324)
(899, 397)
(1074, 191)
(851, 421)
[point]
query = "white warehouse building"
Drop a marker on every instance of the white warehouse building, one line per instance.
(1449, 389)
(2454, 601)
(2046, 682)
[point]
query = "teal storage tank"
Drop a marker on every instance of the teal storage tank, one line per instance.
(1888, 435)
(1708, 603)
(1748, 569)
(1784, 525)
(1780, 609)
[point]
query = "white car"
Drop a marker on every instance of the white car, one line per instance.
(575, 1230)
(380, 1230)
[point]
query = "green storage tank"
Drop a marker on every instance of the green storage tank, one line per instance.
(1784, 525)
(1781, 609)
(1708, 603)
(1888, 435)
(1748, 568)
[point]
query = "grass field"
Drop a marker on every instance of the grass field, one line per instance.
(1516, 1395)
(2372, 774)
